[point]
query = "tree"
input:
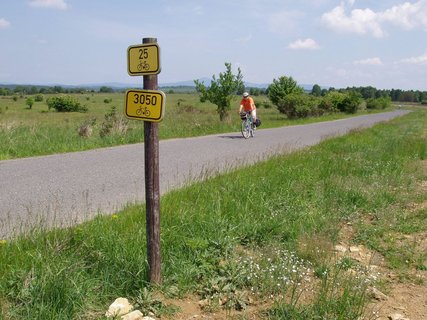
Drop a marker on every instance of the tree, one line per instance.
(316, 91)
(254, 91)
(221, 90)
(105, 89)
(29, 102)
(280, 88)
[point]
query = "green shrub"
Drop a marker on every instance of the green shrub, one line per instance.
(65, 104)
(297, 105)
(39, 98)
(331, 100)
(380, 103)
(351, 102)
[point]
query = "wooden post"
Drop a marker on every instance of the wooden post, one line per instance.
(152, 187)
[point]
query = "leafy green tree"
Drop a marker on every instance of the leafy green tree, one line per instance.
(105, 89)
(316, 91)
(58, 89)
(221, 90)
(33, 90)
(280, 88)
(254, 91)
(29, 102)
(19, 89)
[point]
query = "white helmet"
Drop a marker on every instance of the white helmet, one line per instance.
(245, 94)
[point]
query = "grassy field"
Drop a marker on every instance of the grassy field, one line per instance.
(28, 132)
(254, 243)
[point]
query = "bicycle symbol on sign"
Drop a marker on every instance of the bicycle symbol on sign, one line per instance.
(143, 111)
(143, 65)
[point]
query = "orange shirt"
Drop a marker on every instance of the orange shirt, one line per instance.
(248, 104)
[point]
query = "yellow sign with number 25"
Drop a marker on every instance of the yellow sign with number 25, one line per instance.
(144, 59)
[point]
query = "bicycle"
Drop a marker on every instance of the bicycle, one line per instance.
(248, 127)
(143, 65)
(143, 111)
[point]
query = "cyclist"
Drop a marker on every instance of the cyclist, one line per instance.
(248, 105)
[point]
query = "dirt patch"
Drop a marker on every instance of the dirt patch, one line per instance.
(190, 308)
(405, 296)
(406, 299)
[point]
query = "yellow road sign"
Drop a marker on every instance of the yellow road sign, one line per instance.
(146, 105)
(144, 59)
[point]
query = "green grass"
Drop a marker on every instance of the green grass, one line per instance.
(237, 237)
(32, 132)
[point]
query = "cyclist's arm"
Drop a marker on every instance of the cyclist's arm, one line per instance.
(253, 107)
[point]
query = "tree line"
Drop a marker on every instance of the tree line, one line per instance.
(396, 95)
(11, 90)
(293, 101)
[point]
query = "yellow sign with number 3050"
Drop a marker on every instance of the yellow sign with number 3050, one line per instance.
(146, 105)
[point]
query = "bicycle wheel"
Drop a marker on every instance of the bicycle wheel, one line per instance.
(246, 129)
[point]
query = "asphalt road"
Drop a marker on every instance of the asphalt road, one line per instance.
(63, 189)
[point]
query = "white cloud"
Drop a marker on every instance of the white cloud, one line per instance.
(4, 23)
(53, 4)
(369, 61)
(407, 15)
(307, 44)
(359, 21)
(366, 21)
(416, 60)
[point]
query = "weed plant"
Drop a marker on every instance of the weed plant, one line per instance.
(233, 238)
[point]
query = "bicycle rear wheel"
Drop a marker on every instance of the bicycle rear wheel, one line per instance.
(246, 129)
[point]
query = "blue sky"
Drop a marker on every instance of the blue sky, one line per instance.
(328, 42)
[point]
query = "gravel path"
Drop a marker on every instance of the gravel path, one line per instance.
(63, 189)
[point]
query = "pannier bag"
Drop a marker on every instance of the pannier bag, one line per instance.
(243, 115)
(258, 122)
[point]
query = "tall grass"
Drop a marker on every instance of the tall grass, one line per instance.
(231, 239)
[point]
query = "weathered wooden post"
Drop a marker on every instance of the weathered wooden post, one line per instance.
(148, 105)
(152, 187)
